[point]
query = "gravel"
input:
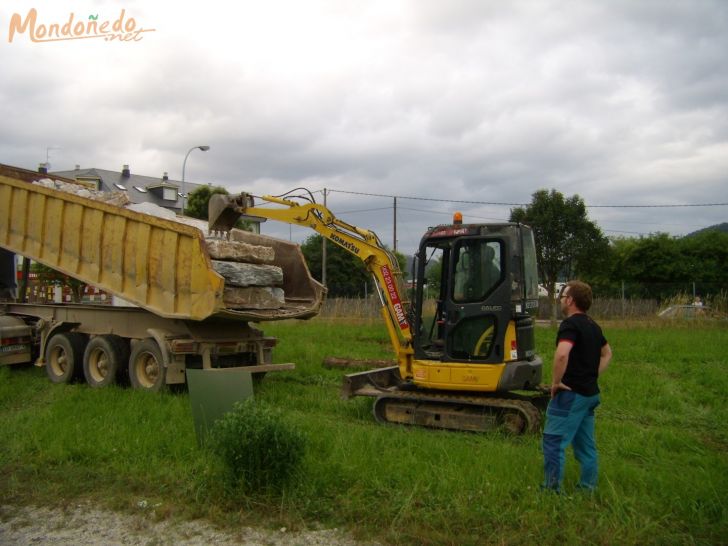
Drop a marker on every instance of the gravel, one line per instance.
(84, 525)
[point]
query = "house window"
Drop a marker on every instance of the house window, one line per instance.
(91, 182)
(169, 194)
(140, 189)
(166, 192)
(119, 186)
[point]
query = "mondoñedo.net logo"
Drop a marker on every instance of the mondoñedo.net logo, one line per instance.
(122, 28)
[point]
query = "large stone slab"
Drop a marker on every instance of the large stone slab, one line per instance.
(253, 297)
(240, 274)
(234, 251)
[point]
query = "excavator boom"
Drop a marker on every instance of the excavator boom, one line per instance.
(225, 211)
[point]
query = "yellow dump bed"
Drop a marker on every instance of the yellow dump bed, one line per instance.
(160, 265)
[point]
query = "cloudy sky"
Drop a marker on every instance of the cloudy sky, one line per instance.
(478, 101)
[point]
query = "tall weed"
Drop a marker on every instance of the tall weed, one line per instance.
(259, 450)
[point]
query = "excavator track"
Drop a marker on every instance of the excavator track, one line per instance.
(464, 412)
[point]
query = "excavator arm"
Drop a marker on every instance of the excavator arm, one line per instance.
(225, 210)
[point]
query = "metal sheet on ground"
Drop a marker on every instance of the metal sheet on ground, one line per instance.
(213, 393)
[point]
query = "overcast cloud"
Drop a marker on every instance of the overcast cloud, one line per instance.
(622, 102)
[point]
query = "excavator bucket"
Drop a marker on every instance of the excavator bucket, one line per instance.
(225, 210)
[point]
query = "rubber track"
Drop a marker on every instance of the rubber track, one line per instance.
(523, 407)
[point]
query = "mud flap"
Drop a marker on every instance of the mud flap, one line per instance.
(213, 393)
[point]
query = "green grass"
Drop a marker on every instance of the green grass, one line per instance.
(662, 437)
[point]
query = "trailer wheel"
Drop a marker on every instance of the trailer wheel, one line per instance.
(64, 357)
(104, 360)
(146, 366)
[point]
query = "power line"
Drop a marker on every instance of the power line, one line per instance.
(428, 199)
(501, 204)
(620, 231)
(509, 204)
(362, 210)
(469, 215)
(657, 206)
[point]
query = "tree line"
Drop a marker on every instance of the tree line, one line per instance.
(655, 266)
(570, 245)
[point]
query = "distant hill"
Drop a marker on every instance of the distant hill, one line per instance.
(717, 227)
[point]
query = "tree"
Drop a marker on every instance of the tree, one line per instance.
(568, 244)
(660, 265)
(346, 275)
(433, 274)
(198, 200)
(706, 256)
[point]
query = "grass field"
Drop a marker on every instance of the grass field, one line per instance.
(662, 432)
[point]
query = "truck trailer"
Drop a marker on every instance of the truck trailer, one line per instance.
(180, 315)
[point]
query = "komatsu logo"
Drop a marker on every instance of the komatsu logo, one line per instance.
(343, 242)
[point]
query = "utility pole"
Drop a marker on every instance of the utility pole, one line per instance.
(395, 225)
(48, 155)
(323, 252)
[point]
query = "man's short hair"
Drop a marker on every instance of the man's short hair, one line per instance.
(581, 293)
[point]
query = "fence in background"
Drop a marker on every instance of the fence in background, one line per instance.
(605, 308)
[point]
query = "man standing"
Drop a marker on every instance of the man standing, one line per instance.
(582, 354)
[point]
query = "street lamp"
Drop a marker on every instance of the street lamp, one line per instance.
(184, 163)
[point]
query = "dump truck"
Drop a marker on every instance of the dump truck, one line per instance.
(182, 313)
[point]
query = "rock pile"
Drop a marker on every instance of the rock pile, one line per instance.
(251, 281)
(117, 198)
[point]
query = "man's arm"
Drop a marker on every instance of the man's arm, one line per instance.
(605, 357)
(561, 360)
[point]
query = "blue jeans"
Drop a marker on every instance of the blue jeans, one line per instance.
(570, 420)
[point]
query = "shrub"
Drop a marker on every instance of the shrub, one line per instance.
(260, 451)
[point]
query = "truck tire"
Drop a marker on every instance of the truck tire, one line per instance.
(146, 366)
(105, 359)
(64, 357)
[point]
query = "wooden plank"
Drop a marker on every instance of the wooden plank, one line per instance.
(335, 362)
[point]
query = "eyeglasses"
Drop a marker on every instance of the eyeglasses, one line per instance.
(562, 296)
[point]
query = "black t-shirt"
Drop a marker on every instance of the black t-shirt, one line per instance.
(587, 341)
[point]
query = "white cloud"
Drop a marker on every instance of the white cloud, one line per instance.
(469, 100)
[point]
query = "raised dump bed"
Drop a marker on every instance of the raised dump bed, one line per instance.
(160, 265)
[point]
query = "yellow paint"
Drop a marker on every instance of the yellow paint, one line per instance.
(457, 376)
(160, 265)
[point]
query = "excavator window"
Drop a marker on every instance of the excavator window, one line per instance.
(530, 267)
(473, 337)
(477, 269)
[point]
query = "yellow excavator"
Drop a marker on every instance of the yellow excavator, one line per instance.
(465, 346)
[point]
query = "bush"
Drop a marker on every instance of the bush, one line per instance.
(260, 451)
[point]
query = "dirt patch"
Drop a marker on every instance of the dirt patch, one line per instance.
(83, 525)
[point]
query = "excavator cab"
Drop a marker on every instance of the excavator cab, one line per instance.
(475, 291)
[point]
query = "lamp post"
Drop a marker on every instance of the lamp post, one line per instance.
(184, 163)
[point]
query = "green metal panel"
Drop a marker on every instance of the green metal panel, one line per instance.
(213, 393)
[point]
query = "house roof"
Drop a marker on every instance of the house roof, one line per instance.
(139, 188)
